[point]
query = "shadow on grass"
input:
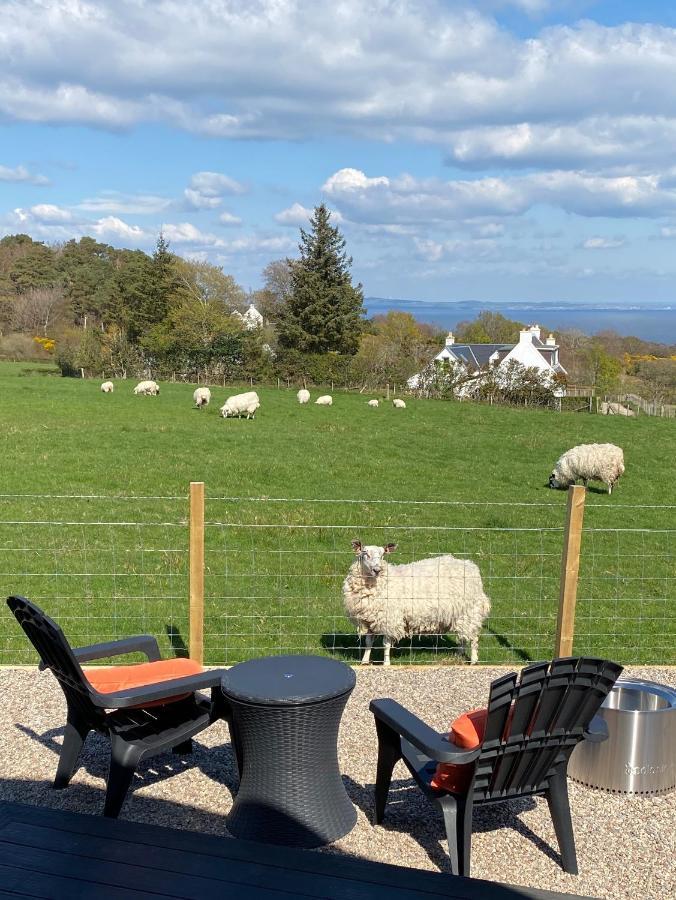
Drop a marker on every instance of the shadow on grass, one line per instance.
(503, 641)
(421, 648)
(176, 642)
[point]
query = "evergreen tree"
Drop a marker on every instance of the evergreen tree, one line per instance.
(324, 310)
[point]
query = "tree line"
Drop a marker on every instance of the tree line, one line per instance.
(98, 310)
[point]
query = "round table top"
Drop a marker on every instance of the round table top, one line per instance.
(287, 680)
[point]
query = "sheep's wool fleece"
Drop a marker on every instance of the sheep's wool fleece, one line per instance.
(601, 462)
(430, 596)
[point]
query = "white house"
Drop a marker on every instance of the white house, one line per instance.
(251, 319)
(531, 352)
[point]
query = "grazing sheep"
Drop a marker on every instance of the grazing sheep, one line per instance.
(149, 388)
(303, 396)
(324, 400)
(398, 404)
(239, 404)
(598, 462)
(107, 387)
(430, 596)
(374, 404)
(201, 397)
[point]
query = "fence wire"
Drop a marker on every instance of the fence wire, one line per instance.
(108, 567)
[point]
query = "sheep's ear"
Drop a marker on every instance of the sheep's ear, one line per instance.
(356, 546)
(388, 548)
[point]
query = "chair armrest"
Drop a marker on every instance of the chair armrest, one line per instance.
(597, 730)
(142, 643)
(418, 733)
(162, 690)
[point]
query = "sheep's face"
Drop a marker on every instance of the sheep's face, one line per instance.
(371, 557)
(554, 482)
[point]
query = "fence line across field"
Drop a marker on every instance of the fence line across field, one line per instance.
(269, 579)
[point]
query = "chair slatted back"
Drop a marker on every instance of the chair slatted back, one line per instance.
(534, 723)
(56, 654)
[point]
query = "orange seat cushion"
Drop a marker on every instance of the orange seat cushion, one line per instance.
(467, 731)
(109, 680)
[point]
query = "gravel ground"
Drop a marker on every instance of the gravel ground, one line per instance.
(626, 845)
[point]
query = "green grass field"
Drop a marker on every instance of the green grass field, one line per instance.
(116, 563)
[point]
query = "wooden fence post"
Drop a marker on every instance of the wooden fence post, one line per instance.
(197, 571)
(570, 569)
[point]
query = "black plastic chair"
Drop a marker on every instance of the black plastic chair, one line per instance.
(134, 731)
(532, 727)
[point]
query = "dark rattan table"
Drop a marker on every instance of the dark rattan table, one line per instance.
(286, 711)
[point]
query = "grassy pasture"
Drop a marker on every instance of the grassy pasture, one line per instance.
(116, 563)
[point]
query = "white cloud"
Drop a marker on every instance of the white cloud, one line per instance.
(602, 243)
(297, 214)
(195, 200)
(43, 213)
(115, 202)
(214, 184)
(407, 200)
(111, 226)
(668, 231)
(227, 218)
(423, 70)
(187, 233)
(21, 173)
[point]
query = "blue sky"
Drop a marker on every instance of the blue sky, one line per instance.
(493, 150)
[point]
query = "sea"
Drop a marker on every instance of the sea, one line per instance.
(651, 323)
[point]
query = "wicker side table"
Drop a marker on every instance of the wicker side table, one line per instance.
(286, 711)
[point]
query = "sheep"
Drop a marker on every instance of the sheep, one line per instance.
(430, 596)
(324, 400)
(201, 397)
(303, 396)
(149, 388)
(398, 404)
(239, 404)
(107, 387)
(600, 462)
(374, 404)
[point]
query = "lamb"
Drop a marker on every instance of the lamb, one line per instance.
(239, 404)
(149, 388)
(374, 404)
(430, 596)
(107, 387)
(398, 404)
(324, 400)
(201, 397)
(303, 396)
(600, 462)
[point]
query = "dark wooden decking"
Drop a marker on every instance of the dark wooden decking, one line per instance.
(54, 854)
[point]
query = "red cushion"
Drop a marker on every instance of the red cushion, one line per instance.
(109, 680)
(467, 731)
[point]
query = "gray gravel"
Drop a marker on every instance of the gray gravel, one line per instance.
(626, 846)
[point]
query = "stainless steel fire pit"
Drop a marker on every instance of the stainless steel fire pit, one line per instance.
(639, 756)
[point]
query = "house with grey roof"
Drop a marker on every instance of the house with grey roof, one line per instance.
(531, 352)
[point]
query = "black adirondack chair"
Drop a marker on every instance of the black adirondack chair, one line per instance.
(531, 728)
(134, 731)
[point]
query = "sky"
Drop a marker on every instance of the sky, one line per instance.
(497, 150)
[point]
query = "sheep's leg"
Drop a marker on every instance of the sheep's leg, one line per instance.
(474, 651)
(610, 488)
(366, 658)
(387, 644)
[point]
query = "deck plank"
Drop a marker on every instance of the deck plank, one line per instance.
(82, 856)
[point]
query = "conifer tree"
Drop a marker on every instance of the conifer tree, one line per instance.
(324, 310)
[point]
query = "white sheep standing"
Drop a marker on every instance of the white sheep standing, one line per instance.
(597, 462)
(430, 596)
(201, 397)
(148, 388)
(107, 387)
(374, 404)
(239, 404)
(398, 404)
(303, 396)
(324, 400)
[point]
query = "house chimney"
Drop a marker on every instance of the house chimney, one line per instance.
(525, 336)
(450, 339)
(551, 341)
(535, 329)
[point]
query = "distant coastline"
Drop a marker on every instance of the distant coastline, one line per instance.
(651, 323)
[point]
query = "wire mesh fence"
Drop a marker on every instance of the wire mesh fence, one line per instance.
(109, 567)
